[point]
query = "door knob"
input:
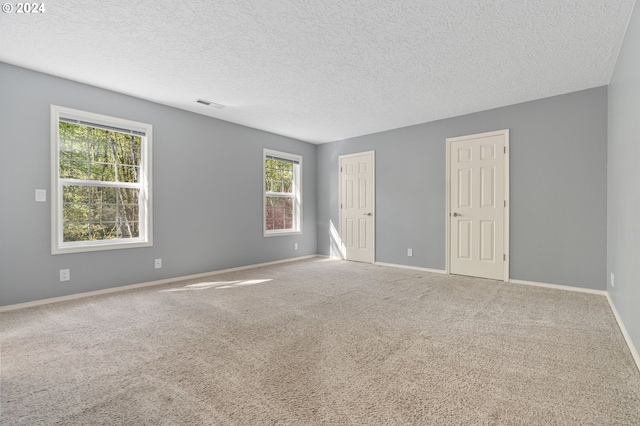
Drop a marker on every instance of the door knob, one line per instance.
(456, 214)
(367, 214)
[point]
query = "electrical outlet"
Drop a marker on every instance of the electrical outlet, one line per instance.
(295, 246)
(65, 275)
(158, 263)
(612, 280)
(409, 252)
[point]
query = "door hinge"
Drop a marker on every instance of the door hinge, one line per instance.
(340, 169)
(504, 257)
(340, 205)
(505, 149)
(505, 203)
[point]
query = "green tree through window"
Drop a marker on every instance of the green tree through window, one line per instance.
(98, 212)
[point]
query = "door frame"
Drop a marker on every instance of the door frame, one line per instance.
(507, 207)
(373, 200)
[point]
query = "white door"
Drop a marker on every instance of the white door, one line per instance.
(357, 206)
(477, 205)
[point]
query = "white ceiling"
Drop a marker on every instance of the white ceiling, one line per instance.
(325, 70)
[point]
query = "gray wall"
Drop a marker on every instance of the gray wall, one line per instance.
(623, 204)
(558, 188)
(207, 193)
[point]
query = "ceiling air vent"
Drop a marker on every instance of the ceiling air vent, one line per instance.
(211, 104)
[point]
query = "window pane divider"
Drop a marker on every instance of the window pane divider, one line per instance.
(100, 183)
(280, 194)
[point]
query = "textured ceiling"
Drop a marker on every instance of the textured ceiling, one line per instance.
(324, 70)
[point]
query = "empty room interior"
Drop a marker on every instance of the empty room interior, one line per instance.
(294, 212)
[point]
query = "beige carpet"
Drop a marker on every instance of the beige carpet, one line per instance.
(315, 342)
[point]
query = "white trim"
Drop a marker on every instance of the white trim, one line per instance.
(58, 246)
(297, 193)
(447, 205)
(145, 284)
(507, 208)
(625, 333)
(560, 287)
(414, 268)
(373, 201)
(520, 282)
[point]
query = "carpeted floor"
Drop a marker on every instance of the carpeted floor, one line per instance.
(319, 342)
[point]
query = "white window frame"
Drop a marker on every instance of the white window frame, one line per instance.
(145, 239)
(297, 193)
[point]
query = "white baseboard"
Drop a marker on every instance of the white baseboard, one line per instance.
(145, 284)
(560, 287)
(415, 268)
(623, 329)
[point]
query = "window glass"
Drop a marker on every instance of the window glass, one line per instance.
(282, 193)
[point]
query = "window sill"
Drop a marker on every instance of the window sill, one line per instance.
(81, 248)
(280, 233)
